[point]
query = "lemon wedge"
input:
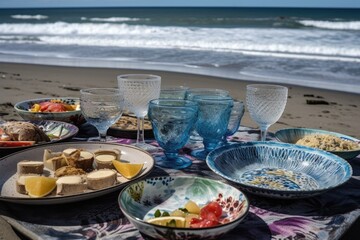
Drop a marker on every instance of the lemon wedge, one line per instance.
(170, 221)
(128, 170)
(37, 187)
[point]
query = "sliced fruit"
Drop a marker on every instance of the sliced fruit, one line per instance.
(192, 207)
(16, 143)
(39, 186)
(168, 221)
(128, 170)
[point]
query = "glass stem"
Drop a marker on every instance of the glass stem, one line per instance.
(102, 136)
(263, 132)
(140, 132)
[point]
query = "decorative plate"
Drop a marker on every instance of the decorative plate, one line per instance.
(279, 170)
(140, 200)
(292, 135)
(57, 132)
(8, 171)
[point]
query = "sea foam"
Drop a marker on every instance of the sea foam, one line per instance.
(350, 25)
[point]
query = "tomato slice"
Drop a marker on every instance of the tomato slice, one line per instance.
(16, 143)
(202, 223)
(55, 107)
(210, 209)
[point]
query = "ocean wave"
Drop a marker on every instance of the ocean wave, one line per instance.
(112, 19)
(292, 42)
(37, 17)
(351, 25)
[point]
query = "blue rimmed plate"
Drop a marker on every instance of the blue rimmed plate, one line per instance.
(292, 135)
(279, 170)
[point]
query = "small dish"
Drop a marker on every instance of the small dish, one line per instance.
(8, 171)
(74, 117)
(279, 170)
(140, 200)
(292, 135)
(126, 127)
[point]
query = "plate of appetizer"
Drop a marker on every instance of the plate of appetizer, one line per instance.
(18, 135)
(126, 127)
(69, 172)
(339, 144)
(64, 109)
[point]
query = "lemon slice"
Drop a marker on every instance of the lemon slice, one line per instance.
(170, 221)
(128, 170)
(37, 187)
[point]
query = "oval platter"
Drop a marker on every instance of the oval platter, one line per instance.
(8, 168)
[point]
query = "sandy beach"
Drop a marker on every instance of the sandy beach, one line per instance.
(334, 110)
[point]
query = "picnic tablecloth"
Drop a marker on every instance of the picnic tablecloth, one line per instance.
(326, 216)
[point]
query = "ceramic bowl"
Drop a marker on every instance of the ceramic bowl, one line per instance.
(292, 135)
(74, 117)
(279, 170)
(140, 200)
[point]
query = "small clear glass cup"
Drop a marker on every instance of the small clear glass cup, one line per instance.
(172, 120)
(237, 112)
(212, 122)
(191, 93)
(265, 103)
(174, 92)
(138, 90)
(101, 107)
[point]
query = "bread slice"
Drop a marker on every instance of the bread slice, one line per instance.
(100, 179)
(68, 185)
(30, 167)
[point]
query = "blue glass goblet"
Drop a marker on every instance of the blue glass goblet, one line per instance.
(237, 112)
(212, 122)
(172, 121)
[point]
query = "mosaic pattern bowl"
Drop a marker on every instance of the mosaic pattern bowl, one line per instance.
(140, 200)
(292, 135)
(279, 170)
(74, 117)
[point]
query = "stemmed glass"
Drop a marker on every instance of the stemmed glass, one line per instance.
(172, 121)
(191, 93)
(138, 90)
(213, 119)
(101, 107)
(265, 103)
(237, 112)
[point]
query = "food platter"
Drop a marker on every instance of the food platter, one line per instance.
(8, 171)
(279, 170)
(126, 127)
(56, 130)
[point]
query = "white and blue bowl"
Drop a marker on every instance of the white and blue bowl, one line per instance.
(74, 117)
(140, 200)
(292, 135)
(279, 170)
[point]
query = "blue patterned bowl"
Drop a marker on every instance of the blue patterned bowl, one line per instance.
(279, 170)
(74, 117)
(292, 135)
(140, 200)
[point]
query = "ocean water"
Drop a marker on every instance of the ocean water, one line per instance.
(307, 47)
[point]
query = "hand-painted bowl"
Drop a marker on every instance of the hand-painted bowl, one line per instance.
(74, 117)
(140, 200)
(279, 170)
(292, 135)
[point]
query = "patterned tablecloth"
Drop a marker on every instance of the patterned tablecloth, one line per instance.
(327, 216)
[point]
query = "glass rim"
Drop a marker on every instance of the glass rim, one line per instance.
(105, 91)
(189, 103)
(266, 86)
(191, 90)
(138, 77)
(212, 98)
